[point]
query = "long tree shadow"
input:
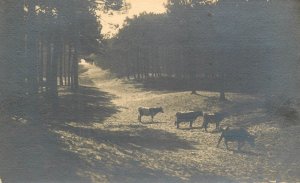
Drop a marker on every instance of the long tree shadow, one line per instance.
(172, 84)
(142, 137)
(87, 105)
(152, 122)
(133, 155)
(31, 152)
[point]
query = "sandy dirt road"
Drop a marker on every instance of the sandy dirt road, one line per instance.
(121, 149)
(96, 137)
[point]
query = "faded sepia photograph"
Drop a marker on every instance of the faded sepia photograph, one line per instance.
(149, 91)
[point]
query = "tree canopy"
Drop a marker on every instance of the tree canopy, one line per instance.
(212, 44)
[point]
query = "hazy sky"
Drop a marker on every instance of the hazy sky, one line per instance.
(137, 7)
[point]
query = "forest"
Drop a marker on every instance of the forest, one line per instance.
(43, 41)
(206, 45)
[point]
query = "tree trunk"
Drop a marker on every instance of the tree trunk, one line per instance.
(222, 92)
(65, 64)
(69, 65)
(41, 60)
(75, 69)
(61, 82)
(222, 96)
(48, 64)
(11, 48)
(31, 50)
(56, 56)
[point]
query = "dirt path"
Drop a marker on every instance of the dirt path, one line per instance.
(96, 137)
(120, 149)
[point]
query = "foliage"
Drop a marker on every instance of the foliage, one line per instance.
(43, 41)
(208, 43)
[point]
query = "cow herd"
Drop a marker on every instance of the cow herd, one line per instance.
(237, 134)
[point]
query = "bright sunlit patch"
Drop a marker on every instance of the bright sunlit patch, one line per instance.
(83, 62)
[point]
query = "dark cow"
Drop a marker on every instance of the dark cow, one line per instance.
(148, 111)
(212, 118)
(189, 116)
(237, 134)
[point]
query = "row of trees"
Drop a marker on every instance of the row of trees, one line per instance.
(220, 44)
(42, 42)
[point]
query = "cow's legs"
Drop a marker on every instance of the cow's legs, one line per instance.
(203, 122)
(220, 139)
(226, 144)
(205, 126)
(217, 126)
(151, 118)
(240, 145)
(140, 118)
(177, 124)
(191, 123)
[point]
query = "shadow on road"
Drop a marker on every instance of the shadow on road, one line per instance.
(31, 152)
(87, 105)
(134, 155)
(141, 137)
